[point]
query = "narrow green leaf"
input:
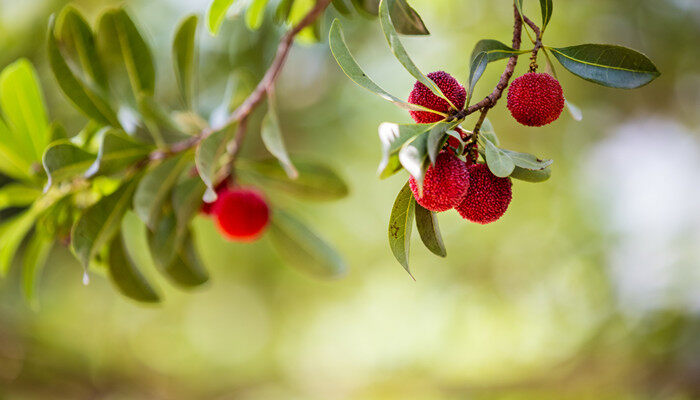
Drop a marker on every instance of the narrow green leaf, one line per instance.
(64, 161)
(499, 161)
(406, 20)
(528, 161)
(315, 182)
(429, 230)
(86, 100)
(185, 58)
(341, 7)
(119, 38)
(17, 195)
(255, 14)
(117, 151)
(75, 33)
(488, 132)
(547, 7)
(126, 277)
(208, 159)
(284, 8)
(485, 52)
(12, 232)
(100, 222)
(155, 187)
(164, 240)
(352, 69)
(187, 269)
(437, 137)
(216, 14)
(23, 107)
(274, 142)
(12, 162)
(607, 65)
(35, 256)
(367, 7)
(401, 225)
(304, 249)
(528, 175)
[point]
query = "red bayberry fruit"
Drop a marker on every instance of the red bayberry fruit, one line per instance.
(488, 196)
(445, 183)
(422, 96)
(241, 214)
(535, 99)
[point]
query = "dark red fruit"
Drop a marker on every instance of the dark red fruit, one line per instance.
(445, 184)
(535, 99)
(241, 214)
(422, 96)
(488, 196)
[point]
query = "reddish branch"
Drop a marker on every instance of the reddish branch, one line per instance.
(265, 85)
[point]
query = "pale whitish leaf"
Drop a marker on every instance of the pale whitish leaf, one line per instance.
(274, 142)
(528, 175)
(23, 107)
(35, 256)
(119, 38)
(76, 35)
(498, 161)
(393, 137)
(413, 156)
(64, 161)
(17, 195)
(100, 222)
(400, 52)
(155, 187)
(216, 14)
(401, 225)
(352, 69)
(429, 230)
(86, 100)
(117, 152)
(126, 276)
(528, 161)
(315, 182)
(208, 159)
(185, 58)
(607, 65)
(304, 249)
(574, 110)
(12, 232)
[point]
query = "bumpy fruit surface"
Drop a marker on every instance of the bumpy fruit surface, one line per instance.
(422, 96)
(241, 214)
(488, 196)
(535, 99)
(445, 184)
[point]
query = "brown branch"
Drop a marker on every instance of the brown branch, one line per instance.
(257, 96)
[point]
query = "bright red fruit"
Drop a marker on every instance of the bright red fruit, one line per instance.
(445, 184)
(488, 196)
(241, 214)
(535, 99)
(422, 96)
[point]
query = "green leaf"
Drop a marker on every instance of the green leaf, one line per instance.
(284, 8)
(120, 39)
(488, 132)
(57, 131)
(163, 129)
(429, 231)
(187, 200)
(368, 7)
(64, 161)
(174, 254)
(12, 232)
(485, 52)
(255, 14)
(607, 65)
(437, 137)
(352, 69)
(304, 249)
(413, 157)
(315, 182)
(35, 256)
(187, 269)
(400, 226)
(185, 58)
(499, 161)
(126, 277)
(528, 161)
(406, 19)
(100, 222)
(117, 152)
(274, 142)
(528, 175)
(547, 7)
(17, 195)
(164, 241)
(23, 107)
(208, 159)
(574, 110)
(400, 52)
(12, 163)
(341, 7)
(393, 137)
(86, 100)
(77, 37)
(155, 187)
(216, 14)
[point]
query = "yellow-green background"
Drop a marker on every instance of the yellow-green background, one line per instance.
(588, 288)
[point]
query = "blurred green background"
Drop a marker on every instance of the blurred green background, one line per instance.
(589, 287)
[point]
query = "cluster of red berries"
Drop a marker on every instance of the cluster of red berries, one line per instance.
(468, 186)
(242, 214)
